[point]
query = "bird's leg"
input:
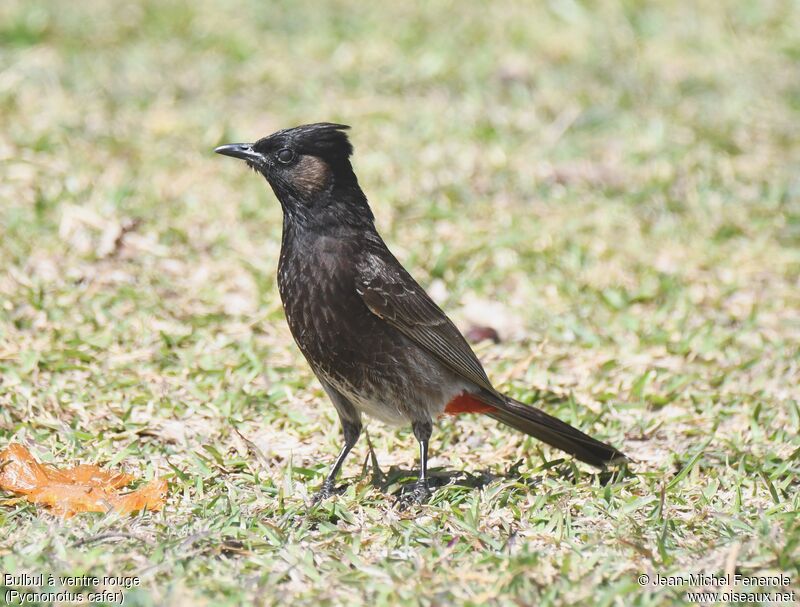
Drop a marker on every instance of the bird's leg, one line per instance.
(351, 433)
(422, 431)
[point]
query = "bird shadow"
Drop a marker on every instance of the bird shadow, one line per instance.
(399, 482)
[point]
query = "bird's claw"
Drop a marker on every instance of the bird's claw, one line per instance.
(421, 493)
(324, 493)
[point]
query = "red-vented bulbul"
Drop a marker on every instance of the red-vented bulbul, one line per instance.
(375, 339)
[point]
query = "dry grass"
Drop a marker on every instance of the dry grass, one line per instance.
(614, 185)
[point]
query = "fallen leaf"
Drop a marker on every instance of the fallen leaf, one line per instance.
(83, 488)
(479, 333)
(479, 312)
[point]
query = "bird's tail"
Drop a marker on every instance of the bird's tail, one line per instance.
(552, 431)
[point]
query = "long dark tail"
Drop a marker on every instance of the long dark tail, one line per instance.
(552, 431)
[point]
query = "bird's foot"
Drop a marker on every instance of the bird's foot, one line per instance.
(421, 493)
(324, 493)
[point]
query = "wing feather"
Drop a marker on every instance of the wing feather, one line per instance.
(394, 296)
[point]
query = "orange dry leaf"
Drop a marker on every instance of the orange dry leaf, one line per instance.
(78, 489)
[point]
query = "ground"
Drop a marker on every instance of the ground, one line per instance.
(613, 187)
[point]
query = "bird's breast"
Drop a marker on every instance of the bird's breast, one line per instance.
(326, 316)
(371, 363)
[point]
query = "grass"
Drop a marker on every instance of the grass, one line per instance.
(613, 186)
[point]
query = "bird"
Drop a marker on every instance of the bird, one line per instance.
(377, 342)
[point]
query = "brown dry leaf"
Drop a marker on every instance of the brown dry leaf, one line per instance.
(79, 489)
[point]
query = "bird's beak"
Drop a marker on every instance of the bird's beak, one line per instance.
(243, 151)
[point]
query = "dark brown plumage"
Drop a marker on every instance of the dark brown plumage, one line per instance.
(375, 339)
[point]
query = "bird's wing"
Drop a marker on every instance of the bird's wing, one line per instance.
(394, 296)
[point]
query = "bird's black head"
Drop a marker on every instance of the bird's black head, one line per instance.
(309, 170)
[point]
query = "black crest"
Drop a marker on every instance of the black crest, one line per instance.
(324, 139)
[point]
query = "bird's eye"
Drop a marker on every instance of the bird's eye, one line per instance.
(285, 155)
